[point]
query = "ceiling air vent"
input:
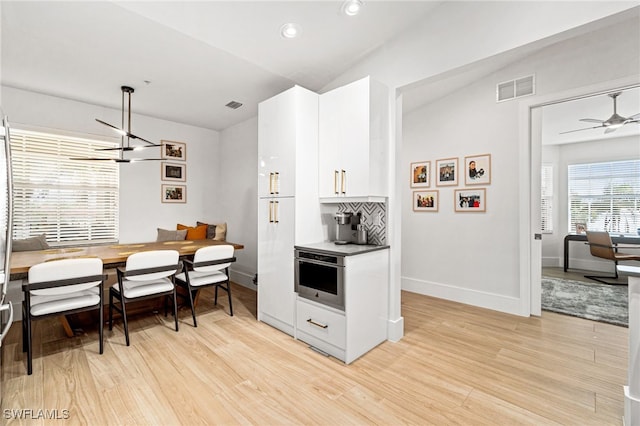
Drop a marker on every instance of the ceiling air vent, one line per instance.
(517, 88)
(233, 105)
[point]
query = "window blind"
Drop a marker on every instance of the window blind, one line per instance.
(605, 196)
(70, 201)
(546, 201)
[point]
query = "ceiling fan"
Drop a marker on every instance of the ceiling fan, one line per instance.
(612, 123)
(124, 147)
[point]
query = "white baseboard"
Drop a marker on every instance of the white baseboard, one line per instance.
(243, 278)
(395, 329)
(496, 302)
(551, 262)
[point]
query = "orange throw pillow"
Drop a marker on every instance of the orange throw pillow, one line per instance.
(194, 233)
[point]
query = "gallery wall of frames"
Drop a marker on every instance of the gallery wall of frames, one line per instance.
(173, 171)
(445, 173)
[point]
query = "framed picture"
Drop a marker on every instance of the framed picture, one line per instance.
(470, 200)
(174, 194)
(425, 201)
(174, 150)
(421, 174)
(477, 170)
(174, 171)
(447, 172)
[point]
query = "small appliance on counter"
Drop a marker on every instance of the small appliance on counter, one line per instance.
(349, 229)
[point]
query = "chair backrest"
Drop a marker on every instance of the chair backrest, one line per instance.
(600, 244)
(64, 269)
(152, 259)
(211, 253)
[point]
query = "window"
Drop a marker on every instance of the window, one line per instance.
(546, 202)
(605, 196)
(71, 201)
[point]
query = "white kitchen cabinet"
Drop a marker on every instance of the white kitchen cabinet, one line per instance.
(276, 297)
(288, 208)
(277, 143)
(349, 334)
(354, 135)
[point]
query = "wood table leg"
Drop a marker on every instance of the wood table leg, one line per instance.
(67, 328)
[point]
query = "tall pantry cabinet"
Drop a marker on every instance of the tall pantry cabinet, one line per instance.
(288, 208)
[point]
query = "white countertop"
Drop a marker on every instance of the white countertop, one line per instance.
(330, 247)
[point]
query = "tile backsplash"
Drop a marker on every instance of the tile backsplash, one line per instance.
(376, 233)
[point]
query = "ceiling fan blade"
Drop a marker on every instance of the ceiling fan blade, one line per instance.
(579, 130)
(591, 120)
(125, 133)
(117, 160)
(91, 159)
(117, 129)
(124, 148)
(151, 144)
(634, 116)
(611, 129)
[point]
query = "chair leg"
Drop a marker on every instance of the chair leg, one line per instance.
(215, 300)
(101, 325)
(29, 346)
(193, 308)
(124, 319)
(601, 279)
(110, 309)
(24, 328)
(229, 294)
(175, 307)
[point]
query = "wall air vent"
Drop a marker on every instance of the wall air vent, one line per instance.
(523, 86)
(233, 105)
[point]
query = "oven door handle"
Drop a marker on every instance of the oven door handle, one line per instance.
(318, 262)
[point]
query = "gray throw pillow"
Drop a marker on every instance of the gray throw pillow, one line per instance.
(170, 235)
(39, 242)
(211, 230)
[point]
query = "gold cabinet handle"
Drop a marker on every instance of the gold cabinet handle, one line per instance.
(270, 211)
(344, 182)
(276, 188)
(270, 183)
(275, 216)
(335, 182)
(317, 324)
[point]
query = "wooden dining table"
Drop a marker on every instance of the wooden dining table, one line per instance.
(112, 256)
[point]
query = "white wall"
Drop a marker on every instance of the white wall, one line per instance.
(474, 258)
(237, 194)
(455, 35)
(561, 156)
(141, 209)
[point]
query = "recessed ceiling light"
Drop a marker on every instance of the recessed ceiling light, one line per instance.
(351, 7)
(290, 30)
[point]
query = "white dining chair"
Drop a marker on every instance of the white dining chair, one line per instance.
(146, 275)
(61, 287)
(210, 267)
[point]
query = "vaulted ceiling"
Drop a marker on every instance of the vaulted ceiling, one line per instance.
(196, 56)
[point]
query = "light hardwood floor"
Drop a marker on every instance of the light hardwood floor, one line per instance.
(456, 365)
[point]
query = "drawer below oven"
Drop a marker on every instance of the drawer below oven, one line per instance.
(322, 323)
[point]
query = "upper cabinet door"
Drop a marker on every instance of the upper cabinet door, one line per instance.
(277, 145)
(353, 148)
(355, 136)
(330, 139)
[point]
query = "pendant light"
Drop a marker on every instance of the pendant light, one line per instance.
(124, 134)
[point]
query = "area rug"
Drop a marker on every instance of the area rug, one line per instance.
(593, 301)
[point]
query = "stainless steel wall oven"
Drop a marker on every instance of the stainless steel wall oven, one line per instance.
(320, 277)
